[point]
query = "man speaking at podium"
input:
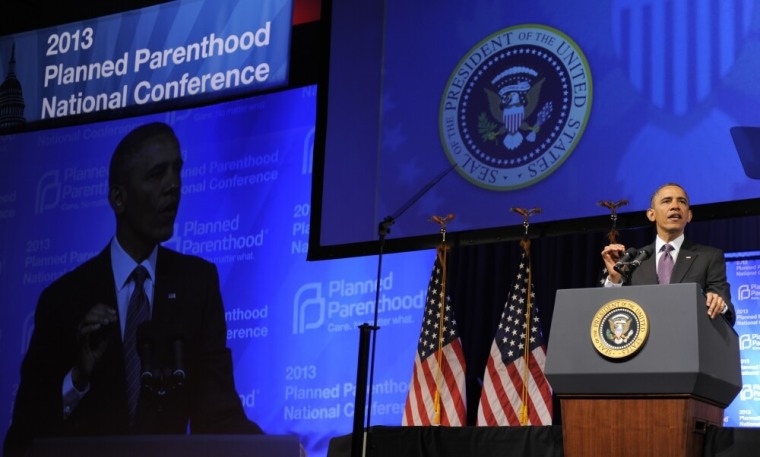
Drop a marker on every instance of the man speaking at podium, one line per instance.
(672, 258)
(82, 374)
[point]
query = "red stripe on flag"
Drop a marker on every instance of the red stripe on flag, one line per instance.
(507, 378)
(438, 339)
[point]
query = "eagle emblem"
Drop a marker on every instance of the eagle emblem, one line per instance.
(513, 110)
(619, 328)
(512, 104)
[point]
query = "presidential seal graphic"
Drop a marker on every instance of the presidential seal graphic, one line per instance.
(515, 107)
(619, 329)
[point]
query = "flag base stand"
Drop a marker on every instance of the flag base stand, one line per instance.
(359, 435)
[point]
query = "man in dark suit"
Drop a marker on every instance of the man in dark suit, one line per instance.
(74, 378)
(691, 262)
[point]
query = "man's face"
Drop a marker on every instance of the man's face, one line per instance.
(670, 212)
(151, 194)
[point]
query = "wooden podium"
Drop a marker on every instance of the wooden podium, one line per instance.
(654, 396)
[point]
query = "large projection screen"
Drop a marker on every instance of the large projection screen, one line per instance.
(292, 325)
(557, 106)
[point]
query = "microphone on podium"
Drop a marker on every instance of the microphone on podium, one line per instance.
(641, 256)
(145, 342)
(178, 367)
(161, 350)
(631, 260)
(625, 260)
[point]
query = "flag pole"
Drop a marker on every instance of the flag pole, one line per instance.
(613, 207)
(442, 257)
(365, 381)
(612, 235)
(436, 394)
(525, 245)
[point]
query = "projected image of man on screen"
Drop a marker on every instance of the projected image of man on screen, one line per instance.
(133, 341)
(672, 258)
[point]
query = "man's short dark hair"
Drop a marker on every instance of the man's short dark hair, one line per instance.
(132, 143)
(667, 184)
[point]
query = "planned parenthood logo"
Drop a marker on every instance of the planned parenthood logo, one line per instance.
(515, 107)
(48, 192)
(308, 308)
(748, 292)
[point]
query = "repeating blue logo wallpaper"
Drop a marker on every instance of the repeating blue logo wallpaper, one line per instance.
(292, 324)
(743, 270)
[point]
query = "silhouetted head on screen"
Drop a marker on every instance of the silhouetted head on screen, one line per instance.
(144, 187)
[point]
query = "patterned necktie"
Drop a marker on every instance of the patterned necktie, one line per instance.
(665, 265)
(138, 311)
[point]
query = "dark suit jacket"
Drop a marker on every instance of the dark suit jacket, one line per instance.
(704, 265)
(186, 297)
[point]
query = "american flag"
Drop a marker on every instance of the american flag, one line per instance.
(515, 390)
(437, 389)
(603, 276)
